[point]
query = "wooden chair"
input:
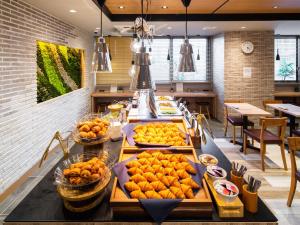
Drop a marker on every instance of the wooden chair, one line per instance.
(265, 137)
(271, 101)
(234, 120)
(294, 145)
(280, 114)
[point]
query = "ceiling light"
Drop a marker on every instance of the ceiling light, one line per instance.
(121, 7)
(275, 7)
(243, 27)
(101, 57)
(169, 28)
(186, 61)
(72, 11)
(164, 7)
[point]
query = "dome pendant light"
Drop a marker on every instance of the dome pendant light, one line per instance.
(142, 61)
(186, 62)
(101, 57)
(168, 56)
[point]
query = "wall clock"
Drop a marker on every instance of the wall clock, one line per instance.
(247, 47)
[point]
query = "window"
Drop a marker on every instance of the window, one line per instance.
(160, 66)
(166, 70)
(285, 68)
(201, 65)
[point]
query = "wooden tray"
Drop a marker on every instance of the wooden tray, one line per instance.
(234, 209)
(201, 206)
(180, 123)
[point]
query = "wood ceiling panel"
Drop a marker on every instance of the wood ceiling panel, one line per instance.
(205, 6)
(174, 6)
(261, 6)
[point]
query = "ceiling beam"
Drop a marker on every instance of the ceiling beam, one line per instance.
(209, 17)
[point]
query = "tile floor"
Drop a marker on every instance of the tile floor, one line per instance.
(275, 180)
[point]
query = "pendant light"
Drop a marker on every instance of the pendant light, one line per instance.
(101, 57)
(168, 56)
(186, 62)
(277, 55)
(198, 55)
(142, 62)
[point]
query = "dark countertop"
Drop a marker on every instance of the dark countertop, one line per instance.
(44, 205)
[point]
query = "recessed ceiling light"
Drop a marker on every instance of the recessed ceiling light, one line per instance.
(209, 28)
(243, 27)
(72, 11)
(164, 7)
(121, 7)
(275, 7)
(169, 28)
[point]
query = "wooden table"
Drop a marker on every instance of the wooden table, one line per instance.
(245, 110)
(292, 111)
(129, 94)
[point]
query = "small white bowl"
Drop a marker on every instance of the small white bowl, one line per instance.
(203, 160)
(210, 168)
(218, 188)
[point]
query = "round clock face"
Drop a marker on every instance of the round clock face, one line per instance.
(247, 47)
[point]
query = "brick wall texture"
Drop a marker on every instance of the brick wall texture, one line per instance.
(25, 126)
(261, 85)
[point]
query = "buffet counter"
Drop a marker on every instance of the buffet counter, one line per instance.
(44, 206)
(110, 96)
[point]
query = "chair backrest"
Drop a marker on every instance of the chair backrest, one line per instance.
(274, 122)
(294, 145)
(270, 101)
(230, 101)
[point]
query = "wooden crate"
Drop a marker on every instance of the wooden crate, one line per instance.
(234, 209)
(180, 123)
(201, 206)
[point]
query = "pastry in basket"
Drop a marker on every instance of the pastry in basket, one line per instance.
(170, 181)
(154, 161)
(145, 186)
(171, 172)
(158, 186)
(138, 194)
(158, 155)
(93, 128)
(85, 172)
(147, 168)
(190, 182)
(137, 178)
(167, 194)
(187, 190)
(177, 192)
(153, 195)
(188, 167)
(131, 186)
(135, 170)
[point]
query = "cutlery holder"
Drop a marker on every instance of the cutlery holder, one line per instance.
(249, 200)
(238, 181)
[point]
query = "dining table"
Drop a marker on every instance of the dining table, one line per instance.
(290, 110)
(246, 110)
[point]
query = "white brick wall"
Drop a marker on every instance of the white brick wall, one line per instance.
(25, 126)
(218, 73)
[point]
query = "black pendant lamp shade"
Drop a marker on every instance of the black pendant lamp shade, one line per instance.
(168, 56)
(198, 55)
(277, 56)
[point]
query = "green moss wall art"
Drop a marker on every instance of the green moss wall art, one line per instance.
(59, 70)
